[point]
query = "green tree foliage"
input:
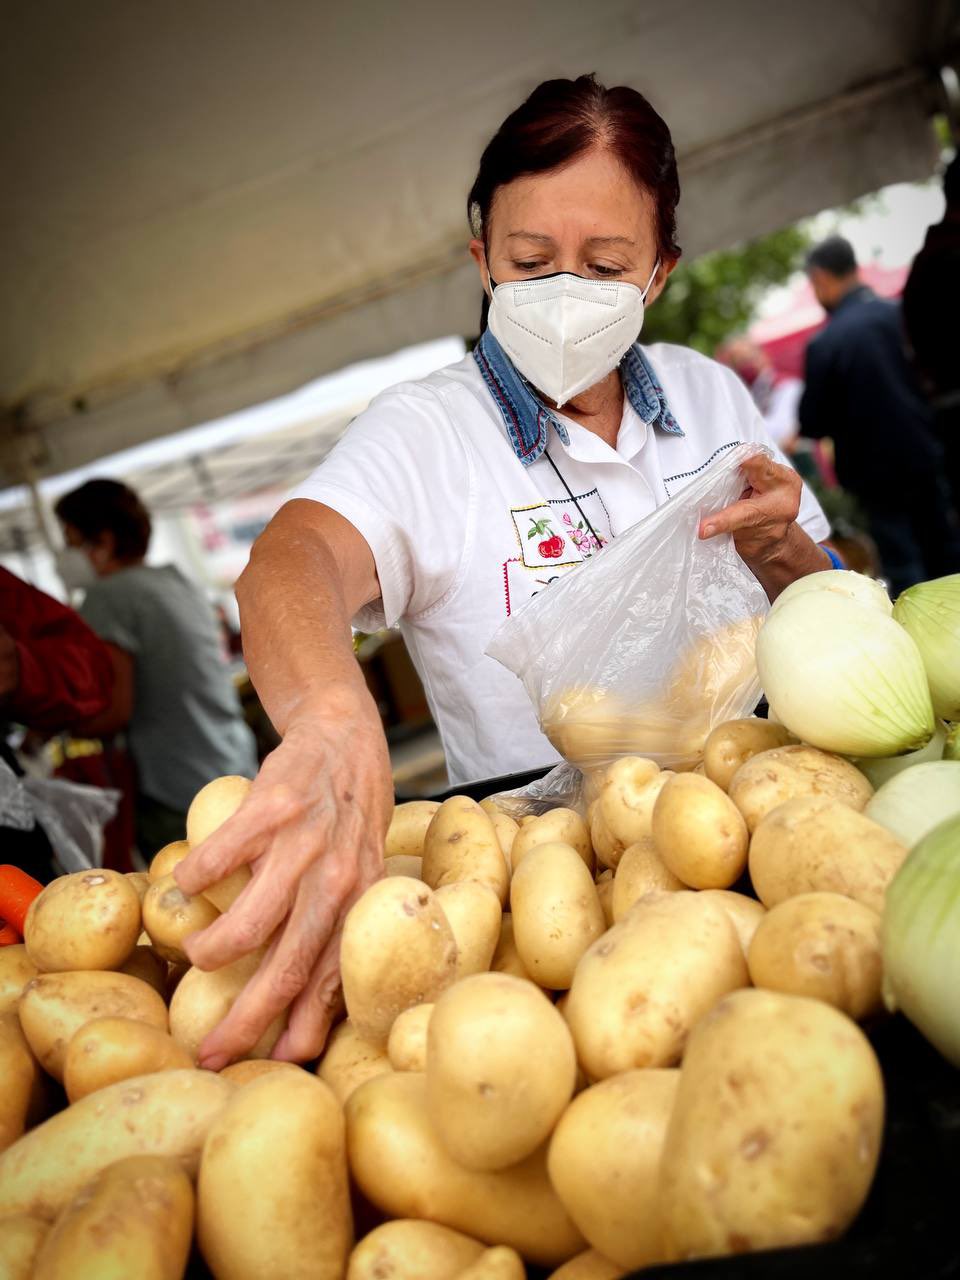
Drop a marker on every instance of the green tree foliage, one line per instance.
(715, 296)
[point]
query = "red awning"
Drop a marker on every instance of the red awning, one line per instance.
(784, 337)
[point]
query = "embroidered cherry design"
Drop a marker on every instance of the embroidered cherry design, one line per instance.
(551, 548)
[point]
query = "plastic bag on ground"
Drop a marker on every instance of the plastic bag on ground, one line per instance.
(647, 646)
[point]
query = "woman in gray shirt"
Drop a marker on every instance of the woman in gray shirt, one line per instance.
(183, 720)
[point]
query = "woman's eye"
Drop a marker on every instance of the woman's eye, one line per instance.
(528, 266)
(601, 270)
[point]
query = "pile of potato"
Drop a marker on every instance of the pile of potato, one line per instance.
(569, 1043)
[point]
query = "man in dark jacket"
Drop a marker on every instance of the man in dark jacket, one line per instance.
(861, 392)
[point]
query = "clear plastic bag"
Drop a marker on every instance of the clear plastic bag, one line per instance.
(72, 816)
(649, 645)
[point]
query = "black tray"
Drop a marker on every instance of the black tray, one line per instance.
(906, 1228)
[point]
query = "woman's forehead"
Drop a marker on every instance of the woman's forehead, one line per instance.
(594, 198)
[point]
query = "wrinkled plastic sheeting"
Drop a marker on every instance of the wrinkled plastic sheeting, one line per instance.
(562, 788)
(648, 645)
(72, 816)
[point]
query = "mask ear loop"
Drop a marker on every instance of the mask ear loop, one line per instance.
(653, 276)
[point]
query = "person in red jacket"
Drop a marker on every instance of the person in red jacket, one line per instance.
(55, 674)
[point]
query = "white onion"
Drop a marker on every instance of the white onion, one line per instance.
(844, 677)
(921, 938)
(882, 769)
(930, 614)
(917, 800)
(841, 582)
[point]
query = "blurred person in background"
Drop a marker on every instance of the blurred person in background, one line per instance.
(861, 392)
(185, 724)
(930, 301)
(55, 675)
(776, 395)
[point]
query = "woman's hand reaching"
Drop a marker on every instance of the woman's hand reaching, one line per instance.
(312, 829)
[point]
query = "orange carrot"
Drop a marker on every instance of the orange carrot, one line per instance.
(8, 935)
(17, 891)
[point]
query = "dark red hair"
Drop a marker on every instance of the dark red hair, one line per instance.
(560, 121)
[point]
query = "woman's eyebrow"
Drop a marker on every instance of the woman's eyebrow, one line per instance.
(531, 235)
(612, 240)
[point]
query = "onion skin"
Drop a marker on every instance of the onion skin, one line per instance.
(921, 939)
(930, 614)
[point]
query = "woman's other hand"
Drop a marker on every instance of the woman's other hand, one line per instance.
(764, 526)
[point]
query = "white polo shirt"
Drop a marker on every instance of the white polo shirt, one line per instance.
(463, 533)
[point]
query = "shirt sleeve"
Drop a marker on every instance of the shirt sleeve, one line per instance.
(110, 615)
(810, 518)
(401, 476)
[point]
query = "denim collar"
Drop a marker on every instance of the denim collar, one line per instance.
(526, 417)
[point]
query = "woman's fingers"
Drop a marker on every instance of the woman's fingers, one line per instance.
(240, 839)
(265, 901)
(314, 1009)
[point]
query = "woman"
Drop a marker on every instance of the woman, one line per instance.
(173, 692)
(454, 499)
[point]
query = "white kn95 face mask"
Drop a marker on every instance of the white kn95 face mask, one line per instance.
(563, 332)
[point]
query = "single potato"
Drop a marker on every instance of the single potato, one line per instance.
(296, 1222)
(588, 1266)
(506, 829)
(20, 1241)
(461, 844)
(407, 1043)
(745, 913)
(563, 826)
(135, 1218)
(624, 808)
(407, 828)
(348, 1060)
(403, 864)
(605, 895)
(88, 920)
(170, 916)
(166, 859)
(54, 1006)
(139, 881)
(145, 964)
(501, 1068)
(640, 871)
(165, 1114)
(821, 945)
(734, 742)
(506, 957)
(20, 1074)
(776, 1128)
(556, 913)
(203, 999)
(783, 773)
(106, 1050)
(817, 844)
(400, 1165)
(498, 1263)
(16, 970)
(604, 1162)
(248, 1069)
(641, 988)
(209, 810)
(397, 950)
(699, 833)
(474, 914)
(407, 1249)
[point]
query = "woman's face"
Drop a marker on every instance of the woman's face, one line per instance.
(589, 218)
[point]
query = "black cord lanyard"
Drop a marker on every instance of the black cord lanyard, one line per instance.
(583, 514)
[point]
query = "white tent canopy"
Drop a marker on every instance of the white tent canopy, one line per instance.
(208, 203)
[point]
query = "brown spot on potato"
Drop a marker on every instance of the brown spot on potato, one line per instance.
(754, 1144)
(738, 1243)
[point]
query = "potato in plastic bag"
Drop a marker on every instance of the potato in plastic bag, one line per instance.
(647, 646)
